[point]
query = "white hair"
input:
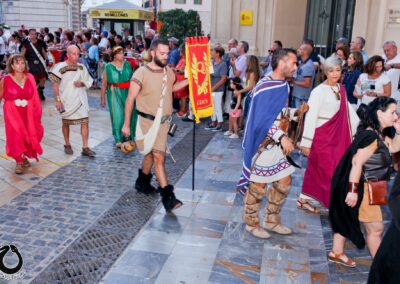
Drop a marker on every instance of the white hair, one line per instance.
(331, 62)
(153, 32)
(391, 42)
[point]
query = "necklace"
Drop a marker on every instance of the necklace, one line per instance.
(20, 82)
(336, 92)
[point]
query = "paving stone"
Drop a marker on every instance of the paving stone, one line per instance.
(119, 223)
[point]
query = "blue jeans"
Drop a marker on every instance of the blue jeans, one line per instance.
(246, 108)
(296, 102)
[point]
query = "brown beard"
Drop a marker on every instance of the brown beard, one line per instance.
(158, 62)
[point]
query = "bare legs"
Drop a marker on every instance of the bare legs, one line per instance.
(157, 159)
(374, 237)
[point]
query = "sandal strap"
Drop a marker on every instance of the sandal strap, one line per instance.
(307, 205)
(339, 256)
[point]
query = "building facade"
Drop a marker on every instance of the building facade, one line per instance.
(260, 22)
(37, 13)
(203, 7)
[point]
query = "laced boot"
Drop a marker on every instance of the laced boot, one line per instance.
(168, 198)
(143, 183)
(276, 196)
(252, 203)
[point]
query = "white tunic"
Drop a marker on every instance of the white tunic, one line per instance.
(271, 164)
(323, 105)
(74, 99)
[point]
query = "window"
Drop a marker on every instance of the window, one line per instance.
(180, 1)
(197, 2)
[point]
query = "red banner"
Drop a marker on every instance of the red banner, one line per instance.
(134, 62)
(54, 56)
(198, 69)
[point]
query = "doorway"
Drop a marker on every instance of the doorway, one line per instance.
(328, 20)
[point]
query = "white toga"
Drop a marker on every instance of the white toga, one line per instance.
(74, 99)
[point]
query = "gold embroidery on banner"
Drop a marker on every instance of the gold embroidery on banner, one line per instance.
(200, 67)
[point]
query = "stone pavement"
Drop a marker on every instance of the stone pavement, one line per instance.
(44, 211)
(53, 214)
(204, 241)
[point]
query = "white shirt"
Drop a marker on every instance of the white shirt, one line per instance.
(394, 75)
(366, 84)
(12, 47)
(323, 105)
(2, 46)
(103, 43)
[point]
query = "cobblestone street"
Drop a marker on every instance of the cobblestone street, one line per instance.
(79, 220)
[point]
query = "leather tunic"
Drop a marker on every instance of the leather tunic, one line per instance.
(378, 165)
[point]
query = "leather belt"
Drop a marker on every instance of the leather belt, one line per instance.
(164, 119)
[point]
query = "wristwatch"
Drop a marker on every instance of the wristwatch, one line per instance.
(392, 66)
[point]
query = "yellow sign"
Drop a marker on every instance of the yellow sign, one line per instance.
(121, 14)
(246, 18)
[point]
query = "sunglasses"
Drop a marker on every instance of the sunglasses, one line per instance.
(271, 51)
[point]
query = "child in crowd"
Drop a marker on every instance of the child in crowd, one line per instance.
(129, 51)
(236, 108)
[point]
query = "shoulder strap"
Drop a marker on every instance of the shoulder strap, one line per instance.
(164, 87)
(39, 56)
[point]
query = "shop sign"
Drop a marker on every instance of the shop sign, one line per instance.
(121, 14)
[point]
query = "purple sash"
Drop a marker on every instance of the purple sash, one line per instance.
(330, 142)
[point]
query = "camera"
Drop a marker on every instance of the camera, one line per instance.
(372, 87)
(172, 129)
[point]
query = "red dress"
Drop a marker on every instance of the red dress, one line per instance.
(182, 93)
(22, 117)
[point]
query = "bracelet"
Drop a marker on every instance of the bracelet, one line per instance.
(281, 137)
(397, 133)
(57, 98)
(353, 187)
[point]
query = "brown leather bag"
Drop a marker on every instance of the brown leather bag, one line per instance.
(377, 192)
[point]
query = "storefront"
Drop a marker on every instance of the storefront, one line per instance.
(119, 15)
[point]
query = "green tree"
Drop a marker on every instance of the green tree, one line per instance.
(179, 24)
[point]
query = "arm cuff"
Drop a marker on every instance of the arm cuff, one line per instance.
(277, 134)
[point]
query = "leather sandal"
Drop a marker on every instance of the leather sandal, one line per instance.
(25, 162)
(307, 206)
(88, 152)
(340, 258)
(19, 168)
(68, 150)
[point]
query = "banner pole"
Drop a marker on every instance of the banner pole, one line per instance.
(193, 152)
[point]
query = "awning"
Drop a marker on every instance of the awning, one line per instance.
(121, 10)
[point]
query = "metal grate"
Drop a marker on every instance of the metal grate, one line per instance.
(89, 257)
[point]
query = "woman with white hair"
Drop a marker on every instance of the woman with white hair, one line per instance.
(329, 127)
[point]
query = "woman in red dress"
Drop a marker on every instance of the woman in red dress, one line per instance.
(22, 113)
